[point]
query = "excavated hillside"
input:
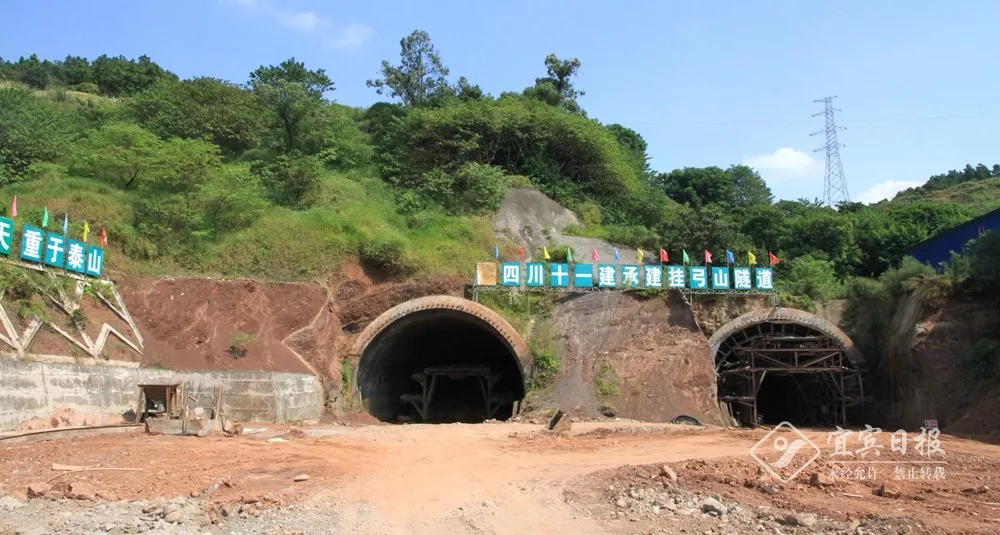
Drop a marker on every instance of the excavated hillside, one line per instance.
(619, 354)
(631, 357)
(193, 323)
(920, 370)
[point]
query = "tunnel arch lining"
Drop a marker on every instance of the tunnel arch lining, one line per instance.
(446, 302)
(788, 315)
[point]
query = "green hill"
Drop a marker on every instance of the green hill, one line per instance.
(271, 178)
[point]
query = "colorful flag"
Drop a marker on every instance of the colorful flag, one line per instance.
(617, 256)
(45, 218)
(664, 257)
(686, 260)
(520, 251)
(569, 255)
(66, 225)
(752, 258)
(86, 231)
(104, 236)
(13, 207)
(594, 255)
(640, 253)
(545, 253)
(774, 259)
(708, 257)
(730, 259)
(496, 247)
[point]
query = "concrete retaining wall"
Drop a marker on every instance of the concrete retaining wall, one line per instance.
(34, 390)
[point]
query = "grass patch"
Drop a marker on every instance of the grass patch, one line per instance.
(606, 382)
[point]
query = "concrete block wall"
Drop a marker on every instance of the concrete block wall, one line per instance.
(34, 390)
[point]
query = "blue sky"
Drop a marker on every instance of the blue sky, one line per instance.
(705, 83)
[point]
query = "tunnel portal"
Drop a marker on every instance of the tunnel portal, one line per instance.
(440, 359)
(784, 364)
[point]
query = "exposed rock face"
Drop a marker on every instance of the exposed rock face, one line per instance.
(649, 350)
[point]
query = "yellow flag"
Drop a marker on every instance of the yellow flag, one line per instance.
(545, 253)
(641, 253)
(753, 259)
(86, 231)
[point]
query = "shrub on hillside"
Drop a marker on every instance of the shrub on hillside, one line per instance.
(290, 181)
(387, 254)
(478, 189)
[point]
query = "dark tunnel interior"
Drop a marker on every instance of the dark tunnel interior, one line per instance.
(440, 366)
(803, 376)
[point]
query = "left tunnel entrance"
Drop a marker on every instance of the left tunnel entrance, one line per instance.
(440, 365)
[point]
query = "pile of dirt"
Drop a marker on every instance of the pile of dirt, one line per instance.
(631, 357)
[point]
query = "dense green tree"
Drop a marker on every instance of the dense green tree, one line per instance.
(293, 98)
(420, 75)
(984, 266)
(749, 188)
(121, 153)
(697, 187)
(315, 83)
(201, 108)
(119, 76)
(30, 132)
(32, 72)
(557, 88)
(76, 70)
(565, 154)
(634, 146)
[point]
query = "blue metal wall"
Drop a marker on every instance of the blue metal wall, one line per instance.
(938, 249)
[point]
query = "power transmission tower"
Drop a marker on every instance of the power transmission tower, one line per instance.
(834, 183)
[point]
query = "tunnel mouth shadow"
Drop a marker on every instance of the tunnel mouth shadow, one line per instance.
(789, 367)
(440, 366)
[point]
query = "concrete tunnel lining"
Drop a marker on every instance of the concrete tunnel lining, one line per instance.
(438, 331)
(817, 390)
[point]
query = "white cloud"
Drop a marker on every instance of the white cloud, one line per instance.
(351, 37)
(786, 163)
(304, 21)
(885, 190)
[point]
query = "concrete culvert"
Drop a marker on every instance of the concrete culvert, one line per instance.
(783, 364)
(440, 359)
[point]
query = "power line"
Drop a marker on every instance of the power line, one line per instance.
(790, 122)
(834, 183)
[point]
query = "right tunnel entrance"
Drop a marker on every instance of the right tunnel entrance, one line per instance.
(784, 364)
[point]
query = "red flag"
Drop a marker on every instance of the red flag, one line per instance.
(708, 257)
(13, 207)
(522, 252)
(774, 259)
(594, 255)
(104, 236)
(664, 257)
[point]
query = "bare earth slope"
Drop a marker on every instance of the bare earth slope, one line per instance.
(649, 350)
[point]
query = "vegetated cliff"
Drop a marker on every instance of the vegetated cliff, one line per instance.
(632, 357)
(922, 369)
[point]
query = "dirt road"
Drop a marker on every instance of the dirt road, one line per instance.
(489, 478)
